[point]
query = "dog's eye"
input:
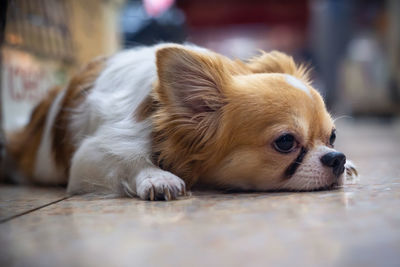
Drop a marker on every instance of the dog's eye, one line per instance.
(285, 143)
(332, 138)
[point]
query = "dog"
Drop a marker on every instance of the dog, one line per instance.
(156, 121)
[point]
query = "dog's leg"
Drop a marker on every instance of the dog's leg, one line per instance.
(98, 166)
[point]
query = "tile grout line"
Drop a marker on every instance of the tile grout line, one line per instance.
(32, 210)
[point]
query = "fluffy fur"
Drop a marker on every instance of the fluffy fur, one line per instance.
(153, 121)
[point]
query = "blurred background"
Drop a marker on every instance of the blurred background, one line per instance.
(353, 46)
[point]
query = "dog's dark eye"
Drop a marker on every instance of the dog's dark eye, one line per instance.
(332, 138)
(285, 143)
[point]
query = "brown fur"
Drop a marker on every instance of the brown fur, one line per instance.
(145, 109)
(182, 135)
(217, 119)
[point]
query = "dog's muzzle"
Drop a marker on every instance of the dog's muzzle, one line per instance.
(336, 161)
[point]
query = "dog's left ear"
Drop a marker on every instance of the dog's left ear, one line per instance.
(190, 79)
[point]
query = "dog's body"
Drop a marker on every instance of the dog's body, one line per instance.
(148, 121)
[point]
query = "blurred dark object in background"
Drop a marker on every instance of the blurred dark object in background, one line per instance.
(144, 25)
(241, 28)
(232, 27)
(367, 63)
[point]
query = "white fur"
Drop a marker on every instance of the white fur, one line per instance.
(293, 81)
(312, 174)
(46, 170)
(114, 149)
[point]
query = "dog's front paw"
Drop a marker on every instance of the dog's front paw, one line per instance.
(156, 184)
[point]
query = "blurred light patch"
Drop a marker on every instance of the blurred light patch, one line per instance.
(155, 8)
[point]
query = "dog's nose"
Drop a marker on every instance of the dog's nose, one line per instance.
(336, 161)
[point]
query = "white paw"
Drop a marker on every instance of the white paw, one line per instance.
(350, 172)
(156, 184)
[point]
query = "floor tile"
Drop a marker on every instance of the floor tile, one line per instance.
(16, 200)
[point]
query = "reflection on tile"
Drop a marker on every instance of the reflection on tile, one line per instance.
(15, 200)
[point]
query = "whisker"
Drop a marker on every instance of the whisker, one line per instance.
(343, 117)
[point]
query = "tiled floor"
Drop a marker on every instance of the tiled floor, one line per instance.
(358, 225)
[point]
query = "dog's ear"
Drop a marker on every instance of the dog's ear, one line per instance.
(277, 62)
(190, 79)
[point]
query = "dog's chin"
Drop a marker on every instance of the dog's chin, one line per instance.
(313, 184)
(332, 186)
(337, 183)
(327, 187)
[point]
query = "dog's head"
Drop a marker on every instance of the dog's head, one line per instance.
(258, 125)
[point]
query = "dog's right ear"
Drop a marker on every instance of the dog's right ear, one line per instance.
(277, 62)
(191, 79)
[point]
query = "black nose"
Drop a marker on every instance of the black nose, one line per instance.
(336, 161)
